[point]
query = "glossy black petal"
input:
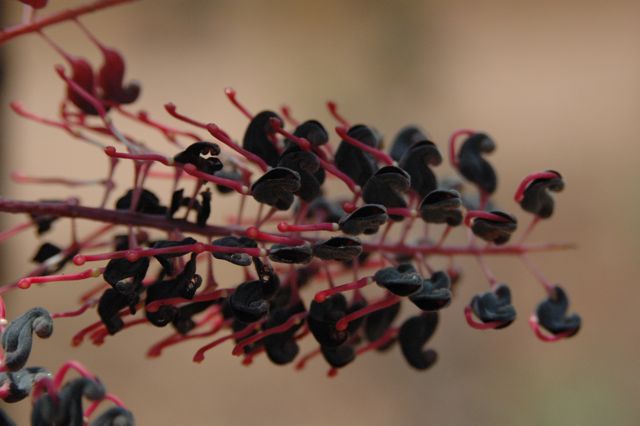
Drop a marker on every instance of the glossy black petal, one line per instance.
(268, 277)
(313, 131)
(17, 338)
(240, 259)
(248, 302)
(435, 293)
(338, 356)
(202, 155)
(494, 306)
(46, 251)
(537, 199)
(282, 348)
(282, 253)
(378, 322)
(404, 139)
(276, 188)
(148, 203)
(114, 416)
(338, 248)
(364, 220)
(125, 276)
(495, 231)
(354, 162)
(257, 138)
(322, 320)
(552, 314)
(111, 303)
(402, 280)
(167, 265)
(205, 210)
(387, 187)
(21, 382)
(414, 334)
(442, 206)
(183, 320)
(69, 408)
(472, 164)
(416, 161)
(307, 165)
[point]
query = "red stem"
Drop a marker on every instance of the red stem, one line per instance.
(56, 18)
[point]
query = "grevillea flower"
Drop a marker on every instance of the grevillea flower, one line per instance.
(308, 256)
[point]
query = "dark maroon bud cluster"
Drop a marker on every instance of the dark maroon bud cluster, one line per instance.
(308, 251)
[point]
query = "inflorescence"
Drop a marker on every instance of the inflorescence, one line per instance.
(307, 256)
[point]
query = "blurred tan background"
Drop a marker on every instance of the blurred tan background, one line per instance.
(556, 83)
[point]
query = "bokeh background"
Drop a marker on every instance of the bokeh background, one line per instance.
(554, 82)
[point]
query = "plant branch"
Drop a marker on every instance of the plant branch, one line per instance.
(56, 18)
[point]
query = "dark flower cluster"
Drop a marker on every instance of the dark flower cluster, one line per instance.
(309, 257)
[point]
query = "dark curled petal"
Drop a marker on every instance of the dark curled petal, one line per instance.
(44, 411)
(176, 202)
(110, 304)
(307, 165)
(386, 187)
(313, 131)
(183, 321)
(188, 281)
(248, 302)
(158, 291)
(364, 220)
(44, 221)
(17, 338)
(323, 317)
(5, 420)
(257, 137)
(338, 248)
(125, 276)
(114, 416)
(238, 325)
(148, 203)
(413, 335)
(205, 210)
(416, 161)
(473, 166)
(240, 259)
(355, 325)
(197, 153)
(268, 277)
(495, 231)
(552, 314)
(21, 382)
(402, 280)
(46, 251)
(163, 259)
(495, 306)
(121, 242)
(352, 161)
(404, 139)
(291, 254)
(378, 322)
(338, 356)
(442, 206)
(282, 348)
(227, 174)
(537, 199)
(70, 410)
(435, 293)
(276, 188)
